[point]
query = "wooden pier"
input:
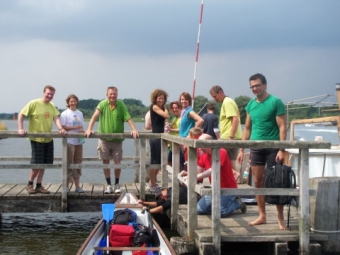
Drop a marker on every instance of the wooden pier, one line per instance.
(209, 232)
(15, 199)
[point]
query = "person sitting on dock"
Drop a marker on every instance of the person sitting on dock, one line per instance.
(163, 199)
(42, 113)
(112, 114)
(265, 120)
(229, 203)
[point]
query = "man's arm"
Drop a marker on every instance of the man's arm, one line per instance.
(21, 130)
(57, 122)
(91, 123)
(281, 123)
(134, 131)
(245, 136)
(234, 126)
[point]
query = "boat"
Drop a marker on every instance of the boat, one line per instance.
(94, 243)
(322, 162)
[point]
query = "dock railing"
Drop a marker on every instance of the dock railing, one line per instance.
(216, 191)
(193, 187)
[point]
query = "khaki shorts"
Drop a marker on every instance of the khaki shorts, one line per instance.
(232, 153)
(110, 150)
(74, 156)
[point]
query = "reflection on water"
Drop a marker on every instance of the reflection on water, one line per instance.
(45, 233)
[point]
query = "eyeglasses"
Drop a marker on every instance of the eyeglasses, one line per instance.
(255, 86)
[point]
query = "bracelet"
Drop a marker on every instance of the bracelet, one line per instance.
(231, 137)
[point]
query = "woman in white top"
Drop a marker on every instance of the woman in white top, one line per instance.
(72, 120)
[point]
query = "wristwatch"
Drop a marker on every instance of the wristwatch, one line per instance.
(231, 137)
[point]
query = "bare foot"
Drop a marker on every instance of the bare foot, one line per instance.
(258, 221)
(236, 174)
(282, 224)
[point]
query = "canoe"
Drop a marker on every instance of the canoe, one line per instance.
(94, 244)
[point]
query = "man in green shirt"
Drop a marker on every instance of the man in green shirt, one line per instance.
(112, 114)
(266, 120)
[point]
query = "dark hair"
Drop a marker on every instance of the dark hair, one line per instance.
(211, 106)
(156, 93)
(258, 76)
(187, 96)
(216, 89)
(69, 98)
(176, 103)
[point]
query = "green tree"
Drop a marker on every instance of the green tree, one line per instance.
(199, 102)
(242, 102)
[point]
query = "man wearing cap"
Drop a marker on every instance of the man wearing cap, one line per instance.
(163, 199)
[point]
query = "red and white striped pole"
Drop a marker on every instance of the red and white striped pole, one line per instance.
(197, 51)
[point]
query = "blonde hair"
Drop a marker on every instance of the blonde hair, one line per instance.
(195, 132)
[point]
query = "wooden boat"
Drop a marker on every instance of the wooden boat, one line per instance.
(93, 244)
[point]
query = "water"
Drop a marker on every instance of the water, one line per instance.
(22, 147)
(50, 233)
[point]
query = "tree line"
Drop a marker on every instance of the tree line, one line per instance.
(137, 109)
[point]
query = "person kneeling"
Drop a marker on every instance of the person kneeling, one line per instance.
(229, 203)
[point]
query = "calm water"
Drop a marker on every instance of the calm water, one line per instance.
(22, 147)
(50, 233)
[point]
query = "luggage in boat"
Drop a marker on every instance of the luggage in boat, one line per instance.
(124, 217)
(121, 235)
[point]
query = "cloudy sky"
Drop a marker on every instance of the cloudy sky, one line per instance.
(84, 46)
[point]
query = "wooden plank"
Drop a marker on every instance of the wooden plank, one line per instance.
(6, 188)
(15, 191)
(131, 188)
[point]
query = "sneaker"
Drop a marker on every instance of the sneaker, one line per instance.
(243, 207)
(155, 189)
(108, 189)
(79, 190)
(30, 189)
(117, 188)
(42, 190)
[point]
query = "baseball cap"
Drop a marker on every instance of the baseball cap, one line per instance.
(158, 191)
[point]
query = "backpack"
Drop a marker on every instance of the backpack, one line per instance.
(124, 217)
(279, 176)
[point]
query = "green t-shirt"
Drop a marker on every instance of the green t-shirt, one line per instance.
(263, 118)
(112, 121)
(41, 117)
(229, 110)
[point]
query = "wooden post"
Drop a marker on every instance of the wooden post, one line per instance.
(216, 199)
(164, 162)
(64, 176)
(175, 184)
(136, 154)
(142, 168)
(304, 221)
(192, 197)
(325, 211)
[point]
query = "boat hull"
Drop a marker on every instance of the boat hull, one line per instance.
(94, 242)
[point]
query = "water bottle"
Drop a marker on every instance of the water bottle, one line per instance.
(166, 127)
(246, 172)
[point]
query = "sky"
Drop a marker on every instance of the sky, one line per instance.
(82, 47)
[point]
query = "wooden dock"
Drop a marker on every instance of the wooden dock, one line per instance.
(15, 199)
(235, 230)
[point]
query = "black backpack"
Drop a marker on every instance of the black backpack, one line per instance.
(279, 176)
(124, 217)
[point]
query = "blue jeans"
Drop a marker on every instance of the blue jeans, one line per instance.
(228, 205)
